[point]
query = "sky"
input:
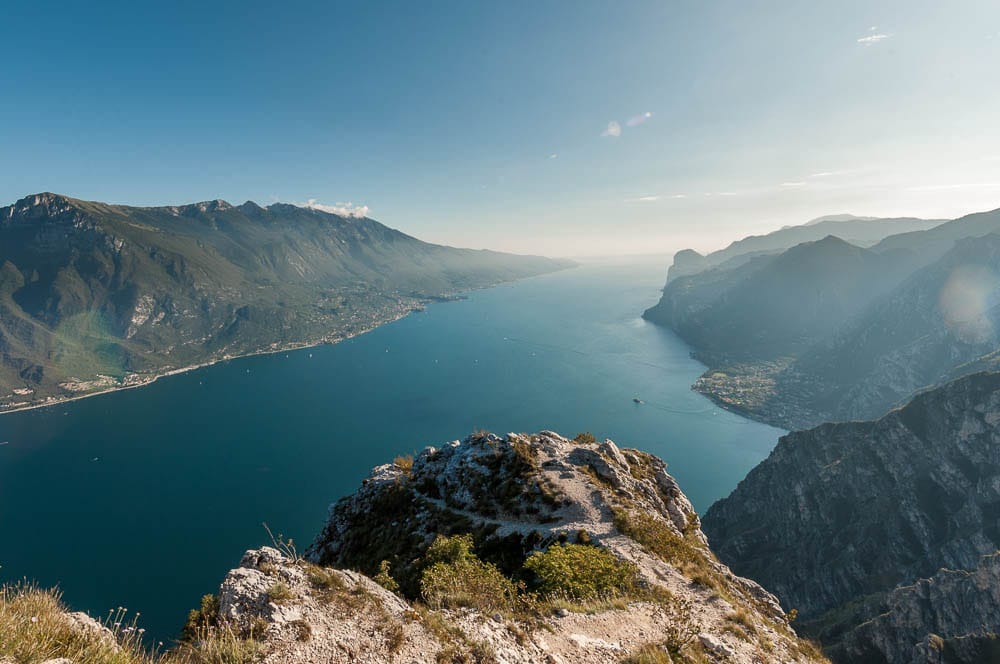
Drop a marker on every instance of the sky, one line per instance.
(566, 128)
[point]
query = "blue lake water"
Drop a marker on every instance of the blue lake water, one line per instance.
(145, 498)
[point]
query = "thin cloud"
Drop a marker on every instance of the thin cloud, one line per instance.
(554, 155)
(874, 37)
(795, 183)
(347, 209)
(614, 130)
(962, 185)
(654, 197)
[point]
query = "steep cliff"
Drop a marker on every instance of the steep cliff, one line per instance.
(865, 527)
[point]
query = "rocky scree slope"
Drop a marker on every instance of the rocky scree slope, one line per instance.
(880, 533)
(96, 296)
(503, 508)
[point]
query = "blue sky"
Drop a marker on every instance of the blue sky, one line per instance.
(490, 125)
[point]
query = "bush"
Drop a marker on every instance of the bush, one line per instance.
(455, 578)
(205, 616)
(582, 572)
(384, 578)
(585, 438)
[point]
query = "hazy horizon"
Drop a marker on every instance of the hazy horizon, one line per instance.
(561, 130)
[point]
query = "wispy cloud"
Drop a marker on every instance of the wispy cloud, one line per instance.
(614, 130)
(637, 120)
(347, 209)
(961, 185)
(794, 183)
(654, 197)
(873, 37)
(554, 155)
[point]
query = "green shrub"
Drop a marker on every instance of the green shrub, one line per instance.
(205, 616)
(384, 578)
(449, 550)
(455, 577)
(582, 572)
(585, 438)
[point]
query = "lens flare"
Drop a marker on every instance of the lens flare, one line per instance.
(966, 301)
(637, 120)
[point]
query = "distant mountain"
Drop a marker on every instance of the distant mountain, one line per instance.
(779, 305)
(838, 217)
(860, 231)
(882, 534)
(941, 322)
(827, 330)
(96, 296)
(932, 243)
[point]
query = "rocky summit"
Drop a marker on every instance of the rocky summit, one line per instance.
(881, 534)
(521, 548)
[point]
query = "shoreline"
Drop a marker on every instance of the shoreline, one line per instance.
(421, 305)
(151, 378)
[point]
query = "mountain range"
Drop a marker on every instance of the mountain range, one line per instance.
(828, 330)
(96, 296)
(860, 231)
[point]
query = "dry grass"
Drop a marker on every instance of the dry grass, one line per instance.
(649, 654)
(404, 463)
(279, 592)
(34, 627)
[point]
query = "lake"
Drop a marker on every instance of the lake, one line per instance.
(145, 498)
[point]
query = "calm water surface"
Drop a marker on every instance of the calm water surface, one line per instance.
(145, 498)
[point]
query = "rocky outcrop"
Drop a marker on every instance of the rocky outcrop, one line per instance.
(514, 495)
(961, 605)
(876, 531)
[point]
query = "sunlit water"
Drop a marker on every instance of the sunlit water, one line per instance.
(145, 498)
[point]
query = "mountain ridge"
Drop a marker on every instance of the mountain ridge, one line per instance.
(852, 522)
(96, 296)
(744, 319)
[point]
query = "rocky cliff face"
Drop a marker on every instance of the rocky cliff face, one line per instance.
(866, 527)
(509, 498)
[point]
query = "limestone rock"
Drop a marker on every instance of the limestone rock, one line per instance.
(876, 531)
